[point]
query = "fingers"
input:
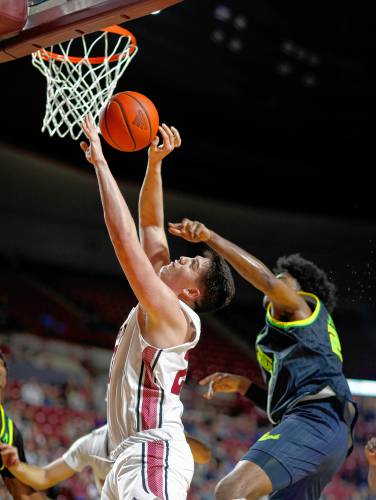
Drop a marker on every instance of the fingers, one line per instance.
(209, 393)
(171, 137)
(168, 138)
(371, 445)
(175, 231)
(213, 377)
(177, 138)
(88, 126)
(9, 455)
(188, 229)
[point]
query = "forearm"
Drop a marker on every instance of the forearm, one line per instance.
(248, 266)
(372, 478)
(117, 216)
(257, 395)
(32, 475)
(151, 197)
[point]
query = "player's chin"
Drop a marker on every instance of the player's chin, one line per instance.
(164, 273)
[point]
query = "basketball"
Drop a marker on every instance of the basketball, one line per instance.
(129, 121)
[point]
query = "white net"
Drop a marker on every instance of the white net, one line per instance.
(80, 85)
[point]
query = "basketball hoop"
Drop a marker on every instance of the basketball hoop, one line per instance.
(77, 85)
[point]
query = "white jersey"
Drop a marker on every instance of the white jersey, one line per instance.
(143, 395)
(91, 449)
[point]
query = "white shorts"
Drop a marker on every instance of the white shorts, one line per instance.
(149, 471)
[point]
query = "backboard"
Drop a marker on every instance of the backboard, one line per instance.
(41, 23)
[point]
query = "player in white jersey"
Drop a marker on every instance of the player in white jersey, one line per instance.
(150, 361)
(90, 450)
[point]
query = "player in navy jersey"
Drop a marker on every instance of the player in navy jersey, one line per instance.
(307, 400)
(10, 435)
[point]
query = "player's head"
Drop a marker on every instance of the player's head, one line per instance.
(205, 283)
(3, 371)
(302, 274)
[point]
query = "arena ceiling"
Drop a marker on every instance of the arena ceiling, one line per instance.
(272, 100)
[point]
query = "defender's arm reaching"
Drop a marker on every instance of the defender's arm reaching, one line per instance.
(285, 300)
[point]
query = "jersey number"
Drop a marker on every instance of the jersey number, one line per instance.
(180, 378)
(334, 339)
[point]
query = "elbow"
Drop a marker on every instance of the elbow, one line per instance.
(269, 283)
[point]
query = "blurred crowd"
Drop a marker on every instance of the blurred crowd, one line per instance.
(56, 392)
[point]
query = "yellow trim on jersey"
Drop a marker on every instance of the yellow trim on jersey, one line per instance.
(2, 421)
(299, 322)
(10, 440)
(265, 361)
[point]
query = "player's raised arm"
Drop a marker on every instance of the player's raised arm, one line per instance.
(249, 267)
(157, 299)
(40, 478)
(151, 214)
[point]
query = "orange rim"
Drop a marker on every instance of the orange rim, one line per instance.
(118, 30)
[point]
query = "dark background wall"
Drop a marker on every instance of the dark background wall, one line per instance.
(273, 104)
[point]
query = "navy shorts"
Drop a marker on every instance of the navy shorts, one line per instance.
(302, 453)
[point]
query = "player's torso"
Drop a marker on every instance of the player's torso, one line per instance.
(145, 383)
(299, 358)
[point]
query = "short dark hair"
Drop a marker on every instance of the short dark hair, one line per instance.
(218, 285)
(310, 277)
(4, 360)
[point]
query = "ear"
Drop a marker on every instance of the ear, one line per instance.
(297, 286)
(189, 294)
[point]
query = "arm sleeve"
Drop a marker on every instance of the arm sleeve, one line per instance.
(18, 443)
(76, 457)
(258, 395)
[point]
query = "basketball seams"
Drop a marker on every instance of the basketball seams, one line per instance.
(119, 103)
(145, 112)
(108, 130)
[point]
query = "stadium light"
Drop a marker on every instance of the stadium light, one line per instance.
(359, 387)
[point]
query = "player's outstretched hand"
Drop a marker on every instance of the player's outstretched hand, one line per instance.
(171, 140)
(190, 230)
(93, 150)
(370, 451)
(225, 382)
(9, 455)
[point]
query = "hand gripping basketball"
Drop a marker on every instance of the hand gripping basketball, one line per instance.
(171, 140)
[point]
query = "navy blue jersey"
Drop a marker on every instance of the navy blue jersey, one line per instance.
(300, 358)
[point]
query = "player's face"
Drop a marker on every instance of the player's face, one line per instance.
(3, 375)
(185, 272)
(288, 280)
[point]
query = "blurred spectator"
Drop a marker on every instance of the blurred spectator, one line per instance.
(32, 393)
